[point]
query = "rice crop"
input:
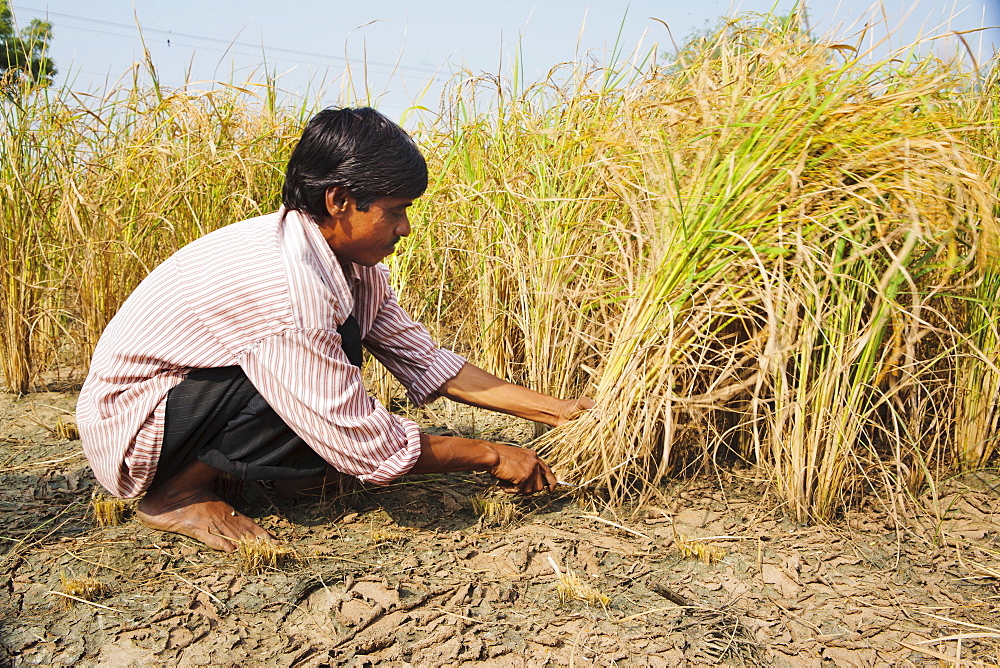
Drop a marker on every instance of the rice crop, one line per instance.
(97, 190)
(767, 250)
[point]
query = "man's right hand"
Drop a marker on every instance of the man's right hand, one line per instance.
(522, 470)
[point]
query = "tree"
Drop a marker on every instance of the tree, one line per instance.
(23, 56)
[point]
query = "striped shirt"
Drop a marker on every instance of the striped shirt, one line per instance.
(266, 294)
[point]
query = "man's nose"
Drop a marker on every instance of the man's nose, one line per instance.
(403, 229)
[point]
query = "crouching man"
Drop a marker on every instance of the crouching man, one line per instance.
(241, 354)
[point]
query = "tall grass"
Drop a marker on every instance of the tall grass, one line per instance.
(98, 190)
(771, 252)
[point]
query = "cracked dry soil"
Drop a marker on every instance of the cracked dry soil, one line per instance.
(408, 575)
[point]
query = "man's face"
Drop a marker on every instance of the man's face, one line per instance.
(364, 237)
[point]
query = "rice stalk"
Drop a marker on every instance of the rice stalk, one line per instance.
(494, 511)
(706, 553)
(109, 511)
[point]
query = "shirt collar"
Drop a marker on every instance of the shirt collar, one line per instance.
(326, 262)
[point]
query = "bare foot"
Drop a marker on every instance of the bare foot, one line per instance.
(186, 504)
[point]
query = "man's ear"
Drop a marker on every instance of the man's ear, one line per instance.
(337, 200)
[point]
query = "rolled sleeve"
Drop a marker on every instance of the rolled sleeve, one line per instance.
(407, 350)
(443, 368)
(402, 461)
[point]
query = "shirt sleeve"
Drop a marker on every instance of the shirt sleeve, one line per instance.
(406, 349)
(305, 376)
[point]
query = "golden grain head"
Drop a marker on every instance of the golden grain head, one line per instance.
(256, 556)
(109, 511)
(569, 587)
(86, 588)
(495, 511)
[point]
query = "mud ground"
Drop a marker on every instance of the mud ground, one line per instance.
(409, 575)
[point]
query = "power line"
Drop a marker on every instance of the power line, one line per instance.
(229, 43)
(182, 42)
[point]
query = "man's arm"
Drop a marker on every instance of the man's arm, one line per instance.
(520, 467)
(524, 472)
(477, 387)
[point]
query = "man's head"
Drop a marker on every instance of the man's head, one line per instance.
(360, 150)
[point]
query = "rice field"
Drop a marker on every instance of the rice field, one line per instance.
(767, 251)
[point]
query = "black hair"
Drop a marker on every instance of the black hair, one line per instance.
(358, 149)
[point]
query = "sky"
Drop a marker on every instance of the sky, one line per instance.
(403, 52)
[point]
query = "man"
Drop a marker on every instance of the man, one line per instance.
(241, 353)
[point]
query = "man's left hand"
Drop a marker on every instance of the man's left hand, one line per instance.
(573, 408)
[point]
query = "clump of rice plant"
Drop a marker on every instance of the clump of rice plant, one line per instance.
(494, 511)
(257, 556)
(65, 430)
(569, 587)
(704, 552)
(800, 227)
(109, 511)
(86, 588)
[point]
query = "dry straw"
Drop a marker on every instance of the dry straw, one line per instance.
(386, 535)
(569, 587)
(692, 548)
